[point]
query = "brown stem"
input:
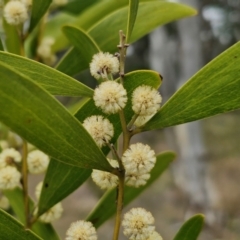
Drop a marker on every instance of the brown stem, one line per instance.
(120, 194)
(25, 183)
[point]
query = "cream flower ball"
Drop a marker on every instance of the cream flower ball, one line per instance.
(9, 156)
(54, 213)
(106, 180)
(15, 12)
(136, 179)
(81, 230)
(146, 100)
(155, 236)
(99, 128)
(139, 157)
(9, 178)
(138, 224)
(37, 162)
(110, 96)
(103, 64)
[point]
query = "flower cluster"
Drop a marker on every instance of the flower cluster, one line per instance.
(16, 12)
(138, 160)
(138, 224)
(9, 175)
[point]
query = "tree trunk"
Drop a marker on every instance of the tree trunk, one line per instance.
(177, 60)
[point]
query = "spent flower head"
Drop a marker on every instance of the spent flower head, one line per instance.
(37, 162)
(106, 180)
(15, 12)
(103, 64)
(139, 157)
(110, 96)
(81, 230)
(99, 128)
(9, 178)
(138, 224)
(146, 100)
(8, 157)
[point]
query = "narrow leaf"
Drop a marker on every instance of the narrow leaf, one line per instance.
(43, 121)
(87, 19)
(85, 45)
(76, 6)
(15, 197)
(60, 179)
(52, 80)
(191, 229)
(1, 45)
(213, 90)
(150, 15)
(39, 8)
(12, 229)
(132, 14)
(106, 206)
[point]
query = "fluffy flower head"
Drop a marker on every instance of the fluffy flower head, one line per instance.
(9, 156)
(99, 128)
(138, 224)
(136, 179)
(139, 157)
(81, 230)
(106, 180)
(103, 64)
(146, 100)
(15, 12)
(52, 214)
(37, 162)
(110, 96)
(155, 236)
(9, 178)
